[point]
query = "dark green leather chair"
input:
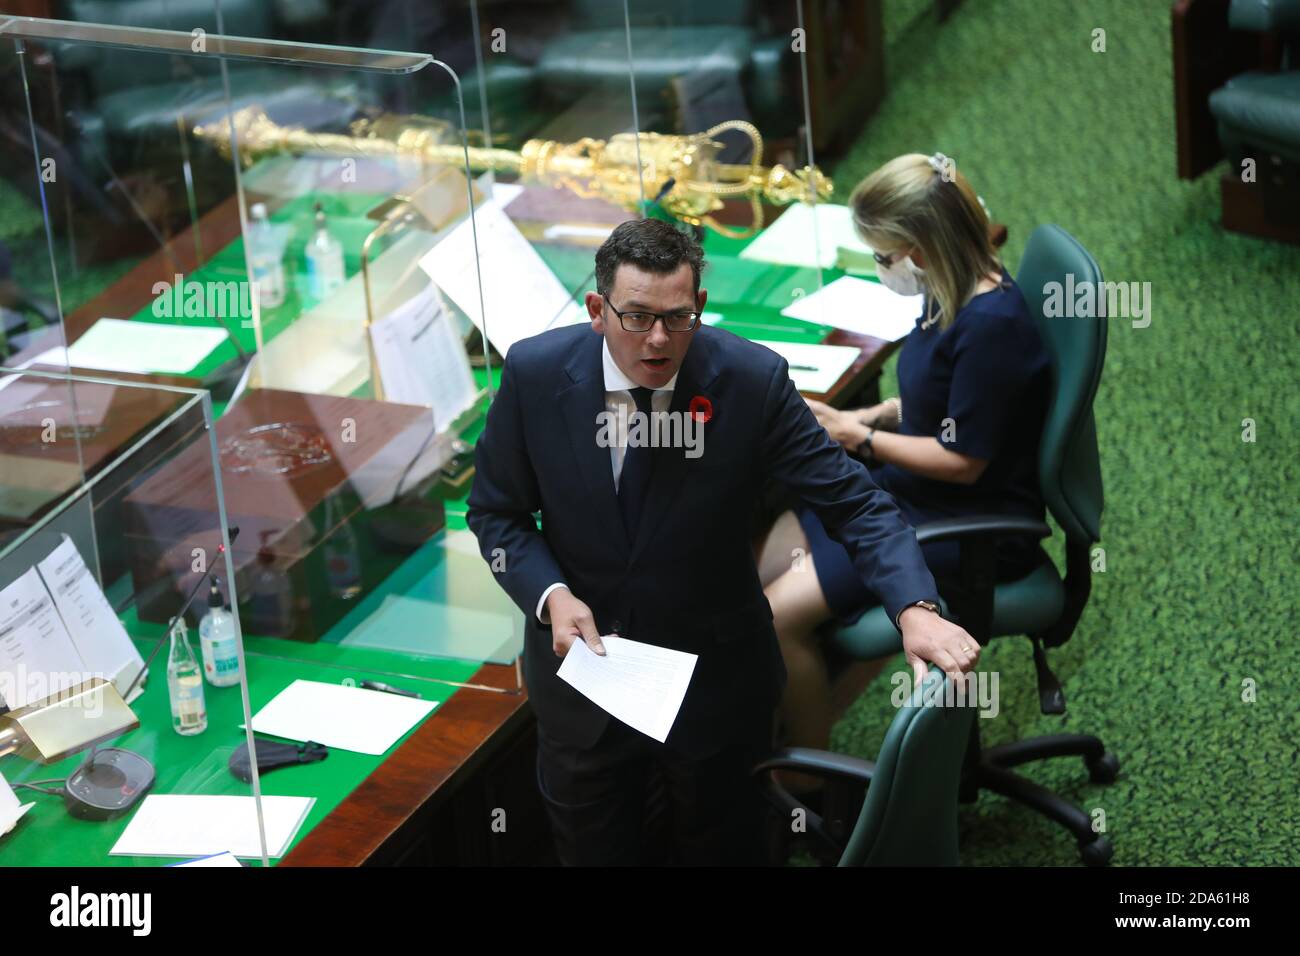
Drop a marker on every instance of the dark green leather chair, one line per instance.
(909, 814)
(1041, 605)
(1258, 113)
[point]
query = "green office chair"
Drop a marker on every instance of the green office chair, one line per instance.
(1041, 604)
(909, 816)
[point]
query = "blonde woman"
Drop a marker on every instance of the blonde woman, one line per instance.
(962, 438)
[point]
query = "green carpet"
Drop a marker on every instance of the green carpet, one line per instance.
(1200, 591)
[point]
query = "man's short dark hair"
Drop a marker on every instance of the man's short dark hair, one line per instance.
(649, 244)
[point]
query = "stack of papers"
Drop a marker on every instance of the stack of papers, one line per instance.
(811, 236)
(815, 368)
(861, 306)
(58, 629)
(201, 825)
(520, 295)
(116, 345)
(347, 718)
(216, 859)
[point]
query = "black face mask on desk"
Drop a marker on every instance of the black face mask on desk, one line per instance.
(272, 754)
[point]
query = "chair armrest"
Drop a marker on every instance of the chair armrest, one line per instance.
(822, 763)
(982, 526)
(849, 777)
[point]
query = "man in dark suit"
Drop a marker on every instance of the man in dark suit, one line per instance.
(653, 544)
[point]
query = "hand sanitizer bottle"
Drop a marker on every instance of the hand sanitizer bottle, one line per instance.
(217, 641)
(266, 256)
(185, 684)
(324, 260)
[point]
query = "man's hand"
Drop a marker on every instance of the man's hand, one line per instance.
(927, 637)
(570, 620)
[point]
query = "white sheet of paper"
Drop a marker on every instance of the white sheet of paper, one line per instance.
(11, 810)
(216, 859)
(349, 718)
(862, 306)
(641, 684)
(521, 295)
(37, 655)
(118, 345)
(422, 360)
(95, 629)
(815, 368)
(192, 825)
(801, 237)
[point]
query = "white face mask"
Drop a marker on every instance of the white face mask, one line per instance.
(902, 277)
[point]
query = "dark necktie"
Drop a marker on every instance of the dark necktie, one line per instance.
(634, 481)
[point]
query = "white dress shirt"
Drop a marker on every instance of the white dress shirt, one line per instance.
(618, 394)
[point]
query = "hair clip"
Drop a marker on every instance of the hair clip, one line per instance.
(940, 163)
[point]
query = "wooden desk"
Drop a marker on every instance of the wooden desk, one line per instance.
(432, 801)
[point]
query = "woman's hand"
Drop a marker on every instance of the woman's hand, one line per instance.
(843, 427)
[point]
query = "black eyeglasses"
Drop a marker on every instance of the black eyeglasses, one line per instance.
(645, 321)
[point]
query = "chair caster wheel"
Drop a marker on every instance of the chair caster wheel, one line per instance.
(1097, 852)
(1104, 769)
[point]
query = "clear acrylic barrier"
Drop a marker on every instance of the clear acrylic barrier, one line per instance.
(332, 440)
(101, 704)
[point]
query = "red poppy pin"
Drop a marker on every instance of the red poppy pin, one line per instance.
(701, 409)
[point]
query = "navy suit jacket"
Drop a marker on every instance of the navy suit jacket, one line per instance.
(689, 580)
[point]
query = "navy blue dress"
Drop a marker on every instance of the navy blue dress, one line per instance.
(980, 388)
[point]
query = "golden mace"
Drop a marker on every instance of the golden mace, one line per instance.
(682, 171)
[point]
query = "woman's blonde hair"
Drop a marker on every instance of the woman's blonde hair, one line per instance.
(923, 202)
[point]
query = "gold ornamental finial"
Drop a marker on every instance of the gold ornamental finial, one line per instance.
(681, 171)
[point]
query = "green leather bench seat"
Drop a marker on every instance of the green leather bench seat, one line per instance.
(572, 64)
(1260, 111)
(1026, 606)
(283, 92)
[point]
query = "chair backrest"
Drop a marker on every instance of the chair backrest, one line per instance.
(1060, 280)
(909, 817)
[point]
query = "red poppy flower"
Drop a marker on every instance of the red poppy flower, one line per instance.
(701, 409)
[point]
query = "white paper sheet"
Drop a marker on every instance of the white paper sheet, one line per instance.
(95, 629)
(37, 655)
(11, 810)
(641, 684)
(118, 345)
(521, 295)
(216, 859)
(349, 718)
(200, 825)
(862, 306)
(790, 240)
(815, 368)
(422, 360)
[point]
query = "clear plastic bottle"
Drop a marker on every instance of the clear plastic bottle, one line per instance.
(342, 555)
(217, 641)
(185, 684)
(324, 260)
(270, 601)
(266, 254)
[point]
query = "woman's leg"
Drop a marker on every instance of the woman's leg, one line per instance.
(775, 551)
(798, 607)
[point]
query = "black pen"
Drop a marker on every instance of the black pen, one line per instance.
(376, 685)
